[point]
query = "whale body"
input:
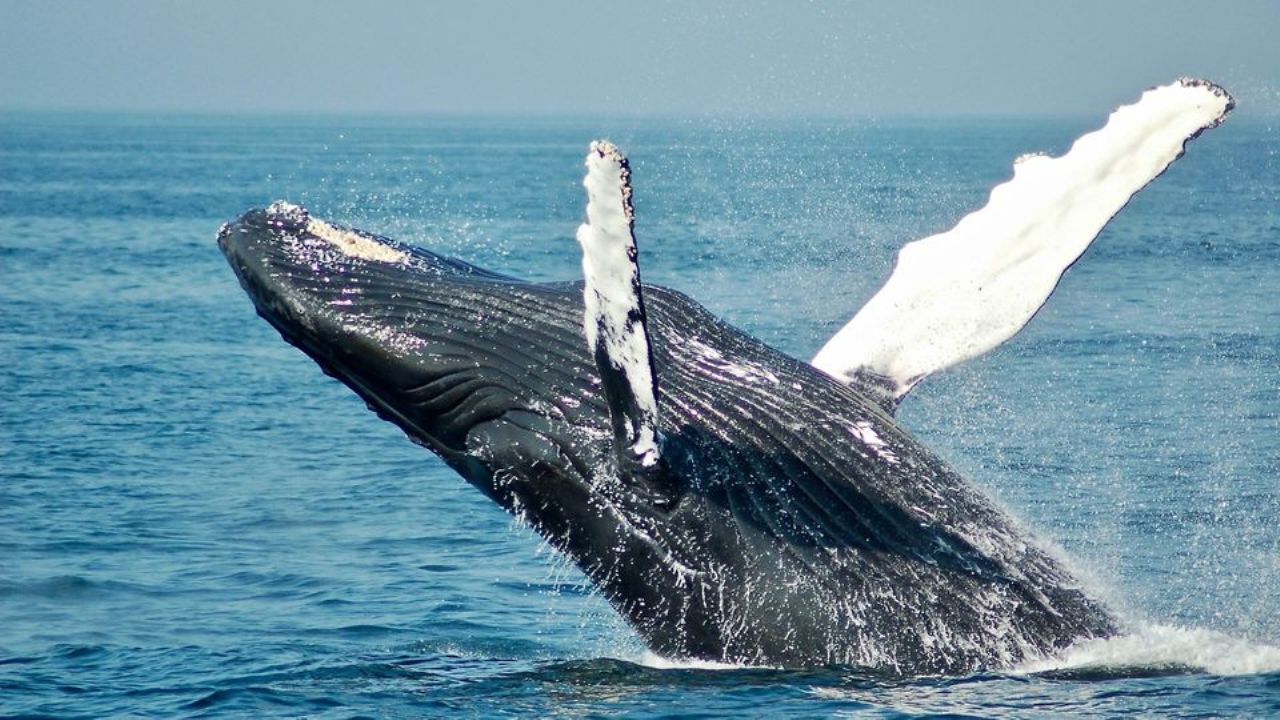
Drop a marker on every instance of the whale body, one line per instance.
(805, 527)
(732, 503)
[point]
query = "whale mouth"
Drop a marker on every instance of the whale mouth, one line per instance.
(433, 344)
(371, 312)
(307, 277)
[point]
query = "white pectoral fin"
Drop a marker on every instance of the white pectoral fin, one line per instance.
(956, 295)
(614, 318)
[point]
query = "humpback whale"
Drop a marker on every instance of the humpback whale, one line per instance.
(732, 503)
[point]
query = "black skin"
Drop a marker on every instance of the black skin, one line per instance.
(772, 533)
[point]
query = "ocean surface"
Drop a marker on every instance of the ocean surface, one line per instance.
(194, 521)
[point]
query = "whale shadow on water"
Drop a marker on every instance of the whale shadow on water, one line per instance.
(734, 504)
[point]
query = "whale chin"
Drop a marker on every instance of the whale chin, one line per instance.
(395, 323)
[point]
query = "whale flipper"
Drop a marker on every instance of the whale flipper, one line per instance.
(956, 295)
(614, 317)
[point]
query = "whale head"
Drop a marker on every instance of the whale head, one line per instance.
(451, 353)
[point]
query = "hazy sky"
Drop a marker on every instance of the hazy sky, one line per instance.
(560, 57)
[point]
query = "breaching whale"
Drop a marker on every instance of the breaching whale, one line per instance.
(731, 502)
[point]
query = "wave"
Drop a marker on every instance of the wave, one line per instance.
(657, 662)
(1156, 647)
(1152, 649)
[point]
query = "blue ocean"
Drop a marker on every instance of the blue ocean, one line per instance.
(196, 522)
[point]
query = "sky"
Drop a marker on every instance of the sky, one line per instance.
(565, 57)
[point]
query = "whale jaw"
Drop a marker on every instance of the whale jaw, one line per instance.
(381, 318)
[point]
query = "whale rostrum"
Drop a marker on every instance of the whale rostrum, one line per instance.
(733, 503)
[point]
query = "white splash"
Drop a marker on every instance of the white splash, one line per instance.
(958, 294)
(1166, 645)
(714, 359)
(287, 210)
(866, 434)
(684, 573)
(653, 660)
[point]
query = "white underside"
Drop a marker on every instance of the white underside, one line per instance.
(958, 294)
(611, 275)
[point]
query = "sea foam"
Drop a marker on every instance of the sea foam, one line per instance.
(1156, 646)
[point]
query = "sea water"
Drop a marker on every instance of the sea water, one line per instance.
(194, 520)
